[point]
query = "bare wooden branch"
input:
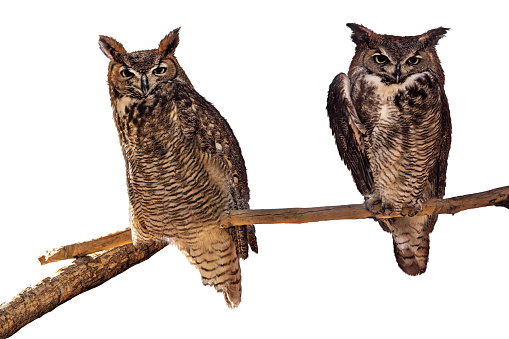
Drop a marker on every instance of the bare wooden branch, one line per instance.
(82, 275)
(81, 249)
(91, 271)
(497, 196)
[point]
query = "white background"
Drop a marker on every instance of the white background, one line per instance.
(267, 67)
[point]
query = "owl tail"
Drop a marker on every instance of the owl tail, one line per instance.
(215, 256)
(411, 243)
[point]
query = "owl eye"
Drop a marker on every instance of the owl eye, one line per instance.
(126, 73)
(160, 70)
(413, 60)
(380, 59)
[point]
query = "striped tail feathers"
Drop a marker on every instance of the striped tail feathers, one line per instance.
(411, 243)
(411, 254)
(216, 258)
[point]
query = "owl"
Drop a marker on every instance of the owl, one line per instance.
(184, 166)
(391, 123)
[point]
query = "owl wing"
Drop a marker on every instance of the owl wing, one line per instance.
(203, 123)
(348, 130)
(438, 173)
(445, 145)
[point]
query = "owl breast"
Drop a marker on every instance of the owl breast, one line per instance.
(402, 127)
(176, 190)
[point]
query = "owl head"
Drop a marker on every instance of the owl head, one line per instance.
(137, 74)
(394, 58)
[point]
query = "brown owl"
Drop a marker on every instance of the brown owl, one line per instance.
(392, 126)
(184, 166)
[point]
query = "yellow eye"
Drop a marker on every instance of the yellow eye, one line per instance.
(160, 70)
(380, 59)
(126, 73)
(413, 60)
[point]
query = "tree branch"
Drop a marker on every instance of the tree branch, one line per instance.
(81, 249)
(82, 275)
(495, 197)
(91, 271)
(498, 197)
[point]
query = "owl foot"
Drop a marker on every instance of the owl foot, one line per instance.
(417, 208)
(372, 204)
(376, 205)
(379, 205)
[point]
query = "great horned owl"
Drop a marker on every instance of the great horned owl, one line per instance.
(184, 165)
(392, 126)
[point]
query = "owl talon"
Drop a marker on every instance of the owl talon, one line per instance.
(373, 204)
(377, 205)
(417, 209)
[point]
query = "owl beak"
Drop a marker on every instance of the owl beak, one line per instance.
(144, 84)
(397, 72)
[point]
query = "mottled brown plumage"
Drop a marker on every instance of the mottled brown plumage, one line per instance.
(184, 166)
(391, 122)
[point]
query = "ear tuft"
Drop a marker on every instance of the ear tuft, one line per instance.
(170, 42)
(432, 36)
(111, 47)
(361, 34)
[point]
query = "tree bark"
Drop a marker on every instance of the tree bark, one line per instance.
(82, 275)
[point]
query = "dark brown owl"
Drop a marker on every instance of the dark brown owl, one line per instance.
(392, 126)
(184, 166)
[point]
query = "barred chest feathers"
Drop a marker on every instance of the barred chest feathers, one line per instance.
(402, 130)
(175, 189)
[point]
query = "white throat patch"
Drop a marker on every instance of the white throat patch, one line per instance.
(122, 103)
(390, 91)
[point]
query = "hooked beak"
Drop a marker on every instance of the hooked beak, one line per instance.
(397, 72)
(144, 84)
